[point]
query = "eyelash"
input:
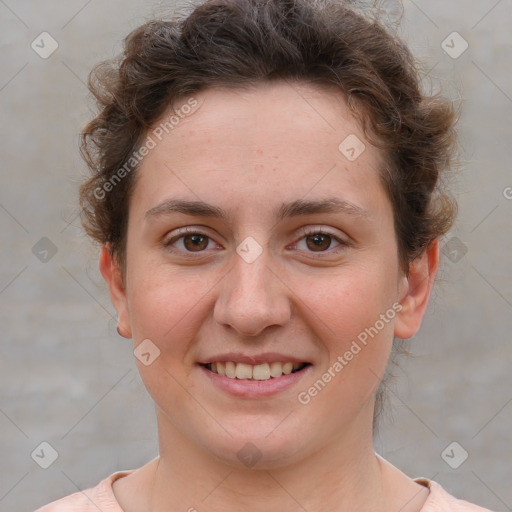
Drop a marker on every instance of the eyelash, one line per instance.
(306, 232)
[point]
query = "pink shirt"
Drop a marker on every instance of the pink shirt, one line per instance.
(101, 498)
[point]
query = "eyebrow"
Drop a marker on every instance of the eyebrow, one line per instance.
(285, 210)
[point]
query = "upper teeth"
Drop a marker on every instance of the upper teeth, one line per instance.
(257, 372)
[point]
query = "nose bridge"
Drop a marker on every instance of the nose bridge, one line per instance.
(251, 297)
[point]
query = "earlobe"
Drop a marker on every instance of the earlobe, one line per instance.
(415, 291)
(113, 276)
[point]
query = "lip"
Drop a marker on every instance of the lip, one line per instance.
(267, 357)
(246, 388)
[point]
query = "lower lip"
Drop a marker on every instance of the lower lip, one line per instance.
(255, 388)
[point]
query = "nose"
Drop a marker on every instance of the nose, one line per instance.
(252, 297)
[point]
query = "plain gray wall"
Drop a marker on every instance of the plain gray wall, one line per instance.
(67, 378)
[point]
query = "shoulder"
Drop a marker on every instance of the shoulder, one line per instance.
(440, 500)
(89, 500)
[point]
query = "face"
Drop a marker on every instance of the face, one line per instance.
(290, 266)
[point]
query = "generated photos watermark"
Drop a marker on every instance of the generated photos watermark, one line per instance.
(150, 143)
(306, 396)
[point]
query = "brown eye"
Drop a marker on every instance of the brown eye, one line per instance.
(188, 241)
(193, 242)
(318, 241)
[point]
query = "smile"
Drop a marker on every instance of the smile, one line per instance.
(261, 372)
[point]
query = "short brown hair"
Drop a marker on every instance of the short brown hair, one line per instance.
(241, 43)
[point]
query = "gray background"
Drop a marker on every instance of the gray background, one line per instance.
(68, 379)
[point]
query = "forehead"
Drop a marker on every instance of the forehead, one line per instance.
(274, 140)
(253, 117)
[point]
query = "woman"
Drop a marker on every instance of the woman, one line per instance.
(266, 190)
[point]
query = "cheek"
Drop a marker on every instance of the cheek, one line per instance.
(354, 318)
(158, 298)
(164, 309)
(168, 307)
(350, 301)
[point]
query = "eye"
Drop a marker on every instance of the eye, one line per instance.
(188, 240)
(319, 240)
(314, 240)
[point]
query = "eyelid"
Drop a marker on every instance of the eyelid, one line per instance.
(312, 230)
(184, 231)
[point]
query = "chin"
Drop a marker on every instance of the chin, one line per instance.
(259, 448)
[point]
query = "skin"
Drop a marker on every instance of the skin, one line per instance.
(247, 152)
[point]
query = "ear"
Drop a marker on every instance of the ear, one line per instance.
(414, 291)
(113, 276)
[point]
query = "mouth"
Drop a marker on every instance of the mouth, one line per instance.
(257, 372)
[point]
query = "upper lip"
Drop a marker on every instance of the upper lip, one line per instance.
(238, 357)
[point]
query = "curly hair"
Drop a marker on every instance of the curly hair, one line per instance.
(243, 43)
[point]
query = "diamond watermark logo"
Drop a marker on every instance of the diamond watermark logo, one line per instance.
(352, 147)
(44, 45)
(454, 249)
(249, 455)
(44, 455)
(249, 250)
(44, 250)
(454, 45)
(454, 455)
(146, 352)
